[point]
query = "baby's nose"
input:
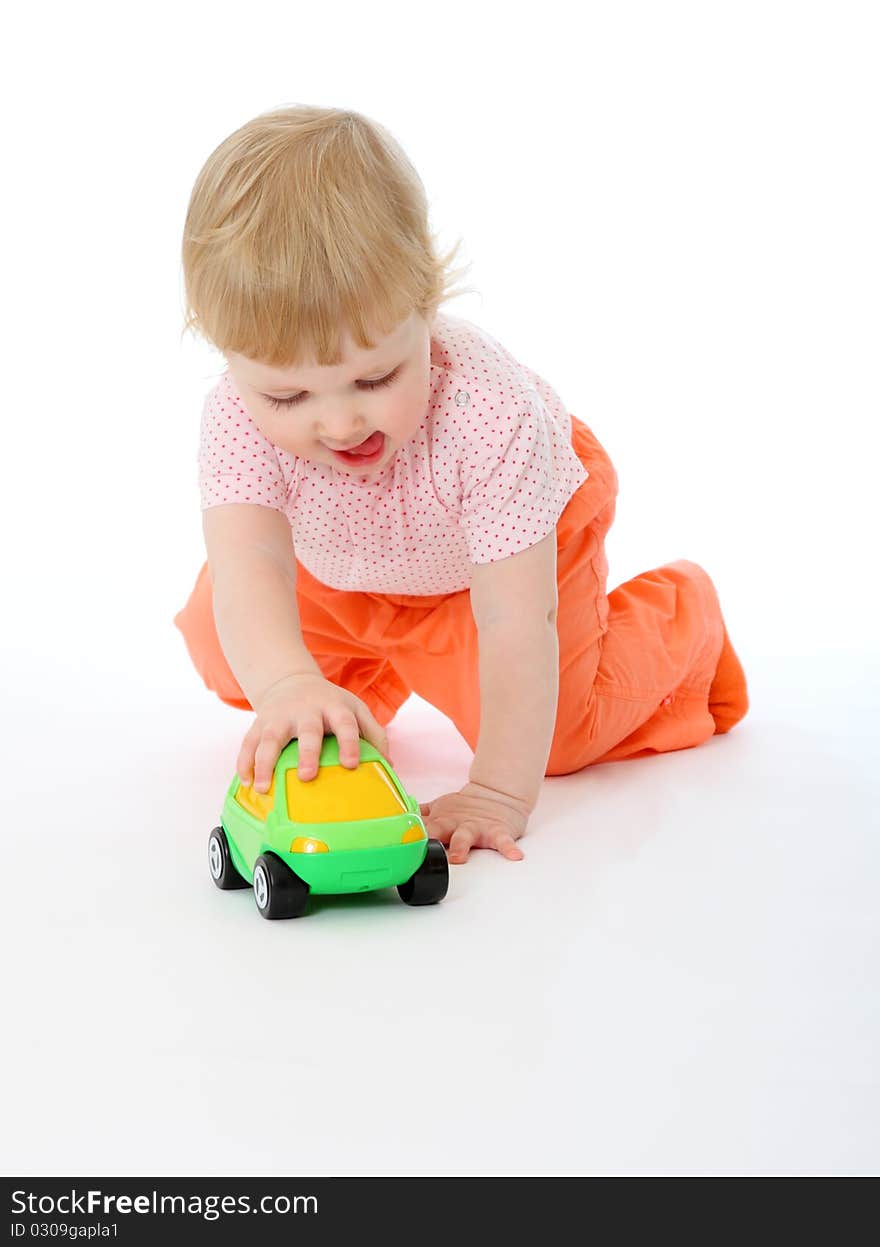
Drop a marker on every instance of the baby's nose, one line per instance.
(343, 431)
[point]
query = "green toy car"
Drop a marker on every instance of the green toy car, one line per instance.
(350, 829)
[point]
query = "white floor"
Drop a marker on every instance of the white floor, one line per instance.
(680, 977)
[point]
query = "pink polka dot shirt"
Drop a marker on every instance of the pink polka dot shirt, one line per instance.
(487, 474)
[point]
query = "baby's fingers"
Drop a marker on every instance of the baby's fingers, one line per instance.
(497, 837)
(268, 749)
(371, 729)
(460, 844)
(244, 765)
(345, 729)
(508, 847)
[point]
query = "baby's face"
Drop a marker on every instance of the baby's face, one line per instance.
(338, 407)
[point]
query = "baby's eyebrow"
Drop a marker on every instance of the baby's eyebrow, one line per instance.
(373, 373)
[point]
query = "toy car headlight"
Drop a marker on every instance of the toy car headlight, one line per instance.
(308, 844)
(414, 832)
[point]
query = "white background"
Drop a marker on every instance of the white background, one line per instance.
(670, 212)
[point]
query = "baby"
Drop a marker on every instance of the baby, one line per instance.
(392, 503)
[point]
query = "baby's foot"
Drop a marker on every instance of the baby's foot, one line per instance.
(728, 694)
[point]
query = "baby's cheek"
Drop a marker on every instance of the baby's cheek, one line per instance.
(408, 412)
(294, 441)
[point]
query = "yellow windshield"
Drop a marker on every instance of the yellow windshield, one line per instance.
(340, 795)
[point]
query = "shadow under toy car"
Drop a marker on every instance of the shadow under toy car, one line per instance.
(346, 830)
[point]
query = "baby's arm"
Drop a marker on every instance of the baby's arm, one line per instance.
(514, 602)
(253, 571)
(514, 606)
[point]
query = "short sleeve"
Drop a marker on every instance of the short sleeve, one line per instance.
(519, 470)
(237, 463)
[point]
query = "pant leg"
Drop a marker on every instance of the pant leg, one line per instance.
(643, 685)
(647, 668)
(343, 657)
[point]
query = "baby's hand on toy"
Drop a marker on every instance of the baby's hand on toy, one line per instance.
(476, 817)
(306, 707)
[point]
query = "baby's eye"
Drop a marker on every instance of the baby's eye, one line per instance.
(298, 398)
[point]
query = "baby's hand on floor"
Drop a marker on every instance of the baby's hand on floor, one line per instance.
(473, 818)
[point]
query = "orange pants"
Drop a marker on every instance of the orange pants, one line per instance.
(644, 669)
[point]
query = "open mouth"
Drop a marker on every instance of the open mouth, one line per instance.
(368, 452)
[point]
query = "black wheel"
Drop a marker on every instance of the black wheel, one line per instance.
(430, 882)
(279, 893)
(220, 864)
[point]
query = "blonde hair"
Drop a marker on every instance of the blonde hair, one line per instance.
(304, 222)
